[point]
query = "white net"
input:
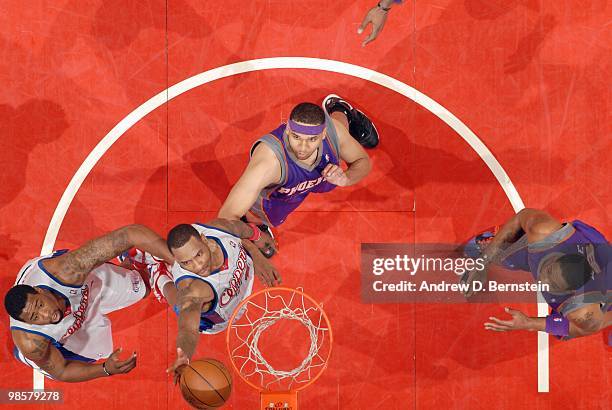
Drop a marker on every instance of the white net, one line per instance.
(261, 312)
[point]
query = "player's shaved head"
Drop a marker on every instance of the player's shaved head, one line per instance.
(180, 235)
(308, 113)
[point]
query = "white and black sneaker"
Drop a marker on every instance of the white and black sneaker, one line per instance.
(360, 126)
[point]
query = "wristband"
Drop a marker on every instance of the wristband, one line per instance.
(256, 232)
(557, 325)
(104, 368)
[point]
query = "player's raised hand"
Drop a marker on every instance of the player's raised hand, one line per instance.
(335, 175)
(377, 17)
(519, 321)
(115, 366)
(266, 271)
(177, 367)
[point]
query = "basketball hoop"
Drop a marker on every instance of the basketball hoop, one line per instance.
(257, 330)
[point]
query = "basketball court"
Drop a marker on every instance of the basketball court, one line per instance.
(118, 112)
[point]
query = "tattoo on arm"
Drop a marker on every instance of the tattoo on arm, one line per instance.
(587, 324)
(42, 355)
(81, 261)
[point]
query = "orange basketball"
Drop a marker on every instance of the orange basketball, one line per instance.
(206, 384)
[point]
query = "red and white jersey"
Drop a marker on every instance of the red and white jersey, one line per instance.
(231, 283)
(84, 329)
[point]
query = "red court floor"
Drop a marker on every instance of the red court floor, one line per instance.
(530, 78)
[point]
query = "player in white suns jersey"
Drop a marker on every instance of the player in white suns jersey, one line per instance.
(59, 304)
(214, 268)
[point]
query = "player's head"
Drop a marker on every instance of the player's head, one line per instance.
(566, 273)
(33, 305)
(305, 129)
(190, 249)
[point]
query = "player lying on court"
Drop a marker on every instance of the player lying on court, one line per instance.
(59, 303)
(573, 258)
(301, 157)
(212, 273)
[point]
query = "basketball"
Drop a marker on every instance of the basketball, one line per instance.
(206, 384)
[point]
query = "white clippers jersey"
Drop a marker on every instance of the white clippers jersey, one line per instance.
(84, 330)
(231, 283)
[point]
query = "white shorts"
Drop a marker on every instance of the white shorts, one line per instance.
(114, 288)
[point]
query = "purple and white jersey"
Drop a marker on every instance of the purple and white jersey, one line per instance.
(276, 202)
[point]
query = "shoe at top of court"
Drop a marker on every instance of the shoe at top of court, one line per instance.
(360, 126)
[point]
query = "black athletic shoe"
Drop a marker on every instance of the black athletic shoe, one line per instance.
(360, 126)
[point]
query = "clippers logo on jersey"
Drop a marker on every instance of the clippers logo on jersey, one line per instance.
(239, 275)
(302, 186)
(79, 314)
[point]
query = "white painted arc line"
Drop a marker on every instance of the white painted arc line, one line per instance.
(265, 64)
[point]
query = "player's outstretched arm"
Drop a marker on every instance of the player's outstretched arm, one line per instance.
(263, 170)
(39, 350)
(75, 265)
(192, 296)
(582, 322)
(247, 232)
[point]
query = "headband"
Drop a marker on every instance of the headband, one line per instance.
(306, 129)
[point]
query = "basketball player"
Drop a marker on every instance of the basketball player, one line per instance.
(59, 303)
(378, 17)
(213, 272)
(573, 258)
(301, 157)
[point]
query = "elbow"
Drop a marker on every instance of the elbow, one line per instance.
(588, 329)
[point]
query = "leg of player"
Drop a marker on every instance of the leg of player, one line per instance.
(356, 122)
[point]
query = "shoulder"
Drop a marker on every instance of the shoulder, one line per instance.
(262, 151)
(538, 224)
(30, 344)
(264, 167)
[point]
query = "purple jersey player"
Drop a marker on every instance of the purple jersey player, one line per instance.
(572, 258)
(301, 157)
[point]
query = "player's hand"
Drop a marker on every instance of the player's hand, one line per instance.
(377, 17)
(519, 321)
(266, 271)
(179, 364)
(335, 175)
(266, 244)
(115, 366)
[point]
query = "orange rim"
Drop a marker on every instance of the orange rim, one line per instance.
(281, 289)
